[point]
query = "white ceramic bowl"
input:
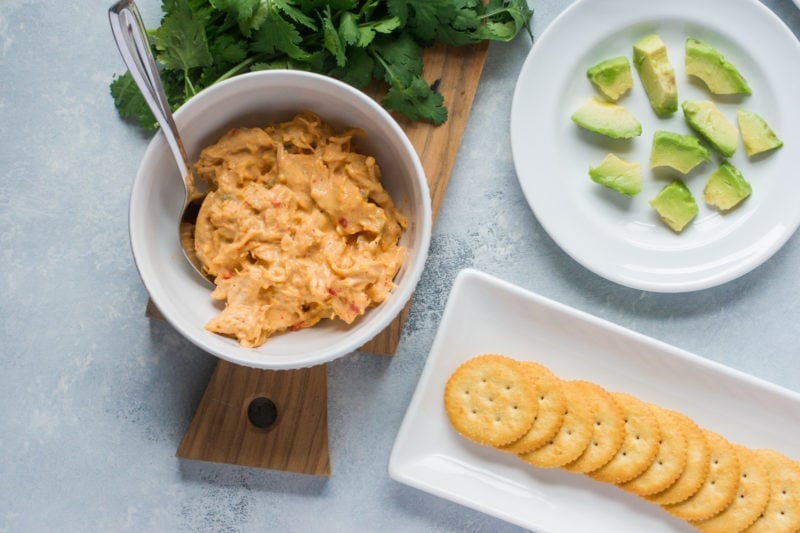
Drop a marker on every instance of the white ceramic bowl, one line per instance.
(257, 99)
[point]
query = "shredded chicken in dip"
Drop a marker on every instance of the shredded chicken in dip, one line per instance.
(296, 228)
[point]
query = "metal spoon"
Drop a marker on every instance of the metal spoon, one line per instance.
(131, 37)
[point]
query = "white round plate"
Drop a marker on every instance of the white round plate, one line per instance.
(621, 238)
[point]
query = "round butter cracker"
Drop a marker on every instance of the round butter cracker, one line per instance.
(719, 488)
(782, 512)
(489, 399)
(572, 437)
(751, 497)
(640, 445)
(695, 471)
(671, 458)
(609, 429)
(550, 410)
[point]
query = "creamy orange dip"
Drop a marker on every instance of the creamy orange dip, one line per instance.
(296, 228)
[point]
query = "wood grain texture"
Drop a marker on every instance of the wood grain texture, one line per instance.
(298, 440)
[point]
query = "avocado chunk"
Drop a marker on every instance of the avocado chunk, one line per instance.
(681, 152)
(706, 119)
(612, 76)
(657, 74)
(757, 136)
(726, 187)
(719, 74)
(675, 205)
(617, 174)
(607, 118)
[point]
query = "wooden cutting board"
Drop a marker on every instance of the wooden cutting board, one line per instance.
(226, 427)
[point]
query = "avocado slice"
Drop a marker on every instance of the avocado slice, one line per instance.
(612, 76)
(657, 74)
(757, 136)
(681, 152)
(726, 187)
(675, 205)
(704, 117)
(617, 174)
(607, 118)
(719, 74)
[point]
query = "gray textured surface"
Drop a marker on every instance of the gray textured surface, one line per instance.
(95, 397)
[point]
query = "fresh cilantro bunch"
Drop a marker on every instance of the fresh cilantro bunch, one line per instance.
(201, 42)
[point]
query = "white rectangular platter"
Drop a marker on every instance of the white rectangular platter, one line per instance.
(486, 315)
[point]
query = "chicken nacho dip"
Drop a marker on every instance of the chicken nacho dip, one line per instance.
(296, 228)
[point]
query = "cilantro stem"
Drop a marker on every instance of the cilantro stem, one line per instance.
(236, 69)
(491, 14)
(386, 67)
(189, 86)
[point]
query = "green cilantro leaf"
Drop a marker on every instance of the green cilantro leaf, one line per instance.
(295, 14)
(416, 101)
(276, 34)
(242, 11)
(180, 41)
(400, 58)
(505, 19)
(360, 66)
(251, 14)
(423, 18)
(201, 42)
(130, 103)
(367, 32)
(333, 41)
(227, 49)
(349, 31)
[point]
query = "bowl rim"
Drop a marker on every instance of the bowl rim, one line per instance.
(395, 303)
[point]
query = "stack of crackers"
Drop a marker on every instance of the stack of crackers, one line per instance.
(661, 455)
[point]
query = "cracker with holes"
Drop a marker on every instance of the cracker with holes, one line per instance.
(550, 412)
(608, 429)
(719, 488)
(751, 498)
(490, 400)
(661, 455)
(640, 445)
(782, 512)
(572, 437)
(671, 458)
(695, 471)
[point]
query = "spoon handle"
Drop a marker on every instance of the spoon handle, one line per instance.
(131, 37)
